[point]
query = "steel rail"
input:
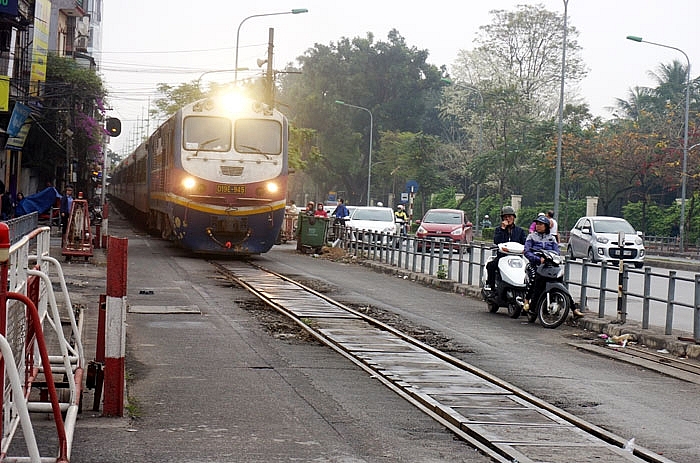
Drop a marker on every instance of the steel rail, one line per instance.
(406, 391)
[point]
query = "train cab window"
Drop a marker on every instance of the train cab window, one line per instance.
(204, 133)
(261, 136)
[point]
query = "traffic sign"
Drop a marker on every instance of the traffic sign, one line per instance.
(412, 186)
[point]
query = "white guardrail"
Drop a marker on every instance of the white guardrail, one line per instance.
(43, 361)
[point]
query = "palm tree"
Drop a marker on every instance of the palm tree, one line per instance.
(639, 100)
(671, 80)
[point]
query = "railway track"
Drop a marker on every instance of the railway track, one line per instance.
(500, 420)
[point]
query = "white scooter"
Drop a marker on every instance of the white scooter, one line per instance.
(509, 281)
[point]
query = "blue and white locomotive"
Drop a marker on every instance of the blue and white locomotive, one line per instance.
(213, 177)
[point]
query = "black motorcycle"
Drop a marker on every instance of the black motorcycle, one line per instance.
(95, 215)
(551, 301)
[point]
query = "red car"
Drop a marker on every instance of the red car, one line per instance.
(444, 225)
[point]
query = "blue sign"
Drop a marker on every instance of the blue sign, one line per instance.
(412, 186)
(9, 7)
(20, 113)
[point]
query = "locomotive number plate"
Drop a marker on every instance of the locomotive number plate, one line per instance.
(232, 189)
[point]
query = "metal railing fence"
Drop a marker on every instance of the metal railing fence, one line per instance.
(671, 300)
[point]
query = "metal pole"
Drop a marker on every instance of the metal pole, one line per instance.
(270, 81)
(238, 32)
(371, 129)
(481, 137)
(369, 168)
(476, 212)
(560, 129)
(684, 175)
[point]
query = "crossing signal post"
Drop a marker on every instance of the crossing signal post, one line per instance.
(114, 126)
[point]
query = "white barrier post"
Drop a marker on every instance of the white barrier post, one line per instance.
(115, 328)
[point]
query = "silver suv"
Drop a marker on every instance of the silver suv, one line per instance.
(597, 239)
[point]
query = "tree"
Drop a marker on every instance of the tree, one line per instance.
(175, 98)
(511, 96)
(521, 49)
(71, 127)
(389, 78)
(407, 156)
(639, 100)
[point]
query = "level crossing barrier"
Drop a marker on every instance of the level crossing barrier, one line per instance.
(465, 263)
(41, 359)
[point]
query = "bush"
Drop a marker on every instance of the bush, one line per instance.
(487, 234)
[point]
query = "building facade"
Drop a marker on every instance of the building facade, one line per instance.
(30, 30)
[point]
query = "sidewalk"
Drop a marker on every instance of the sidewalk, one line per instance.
(207, 383)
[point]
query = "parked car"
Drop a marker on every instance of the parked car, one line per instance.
(444, 225)
(371, 220)
(597, 239)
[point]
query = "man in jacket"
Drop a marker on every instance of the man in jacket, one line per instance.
(505, 232)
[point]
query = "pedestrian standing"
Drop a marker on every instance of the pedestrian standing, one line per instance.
(66, 205)
(553, 225)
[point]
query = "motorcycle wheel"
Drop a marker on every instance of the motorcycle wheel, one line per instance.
(514, 310)
(554, 313)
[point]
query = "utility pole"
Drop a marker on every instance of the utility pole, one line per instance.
(270, 81)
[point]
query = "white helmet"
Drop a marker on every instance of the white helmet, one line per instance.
(486, 216)
(380, 204)
(401, 206)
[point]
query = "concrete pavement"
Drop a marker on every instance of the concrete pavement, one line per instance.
(207, 383)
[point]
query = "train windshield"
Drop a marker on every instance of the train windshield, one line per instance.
(204, 133)
(262, 136)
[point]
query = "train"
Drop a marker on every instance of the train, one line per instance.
(213, 177)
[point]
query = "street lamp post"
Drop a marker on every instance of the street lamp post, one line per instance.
(560, 128)
(371, 128)
(238, 32)
(199, 79)
(481, 138)
(684, 168)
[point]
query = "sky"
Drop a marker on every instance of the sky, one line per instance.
(147, 42)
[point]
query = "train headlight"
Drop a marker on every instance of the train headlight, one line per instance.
(189, 183)
(272, 187)
(233, 102)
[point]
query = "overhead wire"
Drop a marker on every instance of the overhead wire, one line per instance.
(142, 91)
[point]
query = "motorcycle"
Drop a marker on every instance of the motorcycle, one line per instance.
(401, 227)
(95, 213)
(551, 300)
(509, 281)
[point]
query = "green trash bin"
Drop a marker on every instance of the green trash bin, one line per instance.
(312, 232)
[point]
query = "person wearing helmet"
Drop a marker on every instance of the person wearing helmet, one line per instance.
(508, 231)
(401, 219)
(486, 223)
(540, 239)
(532, 225)
(505, 232)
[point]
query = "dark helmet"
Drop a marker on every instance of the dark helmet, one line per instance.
(542, 219)
(508, 210)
